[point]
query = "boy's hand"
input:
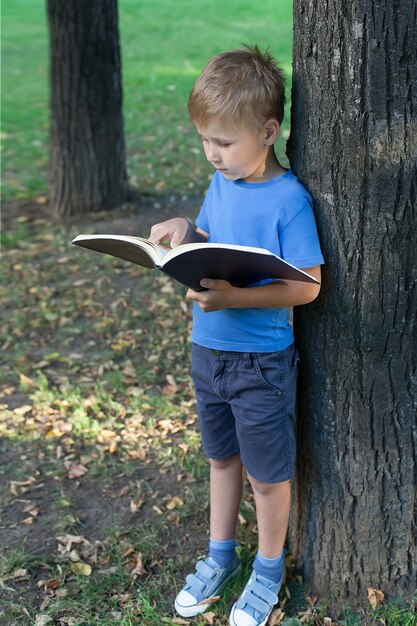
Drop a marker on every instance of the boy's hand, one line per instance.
(219, 295)
(174, 230)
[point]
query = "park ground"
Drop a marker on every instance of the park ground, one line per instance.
(103, 487)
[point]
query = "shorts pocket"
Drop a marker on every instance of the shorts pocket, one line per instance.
(269, 371)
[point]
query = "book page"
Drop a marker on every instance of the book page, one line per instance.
(222, 246)
(135, 249)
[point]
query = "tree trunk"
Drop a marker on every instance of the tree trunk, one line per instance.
(354, 146)
(87, 155)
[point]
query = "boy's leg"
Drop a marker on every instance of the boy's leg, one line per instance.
(218, 434)
(273, 501)
(222, 563)
(226, 480)
(261, 592)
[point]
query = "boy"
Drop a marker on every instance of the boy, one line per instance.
(244, 364)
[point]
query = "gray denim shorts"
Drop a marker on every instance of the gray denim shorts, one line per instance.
(246, 405)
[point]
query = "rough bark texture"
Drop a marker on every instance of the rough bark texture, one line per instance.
(354, 145)
(87, 156)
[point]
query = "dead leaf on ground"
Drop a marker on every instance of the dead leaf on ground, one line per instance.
(26, 381)
(42, 619)
(135, 566)
(49, 583)
(277, 617)
(175, 503)
(67, 540)
(22, 410)
(136, 505)
(129, 550)
(75, 470)
(19, 573)
(211, 600)
(209, 617)
(375, 597)
(80, 568)
(20, 486)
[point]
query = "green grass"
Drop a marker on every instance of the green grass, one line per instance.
(164, 47)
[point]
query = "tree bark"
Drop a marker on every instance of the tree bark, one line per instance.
(87, 154)
(354, 145)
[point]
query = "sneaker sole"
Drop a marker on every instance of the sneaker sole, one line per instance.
(197, 609)
(265, 621)
(233, 623)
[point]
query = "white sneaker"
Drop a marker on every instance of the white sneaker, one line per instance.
(207, 582)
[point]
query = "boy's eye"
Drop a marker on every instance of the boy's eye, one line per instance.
(223, 145)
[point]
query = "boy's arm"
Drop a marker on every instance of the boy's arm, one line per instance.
(177, 230)
(220, 294)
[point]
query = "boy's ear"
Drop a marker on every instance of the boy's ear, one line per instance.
(271, 129)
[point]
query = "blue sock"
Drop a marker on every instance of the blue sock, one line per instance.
(273, 569)
(223, 552)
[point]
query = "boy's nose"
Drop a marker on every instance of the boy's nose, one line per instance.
(212, 155)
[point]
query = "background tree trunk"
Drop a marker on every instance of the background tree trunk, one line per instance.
(87, 155)
(354, 145)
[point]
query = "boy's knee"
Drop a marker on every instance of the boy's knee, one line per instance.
(265, 489)
(223, 464)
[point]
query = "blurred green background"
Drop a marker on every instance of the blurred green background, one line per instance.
(164, 46)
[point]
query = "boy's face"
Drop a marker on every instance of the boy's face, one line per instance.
(237, 152)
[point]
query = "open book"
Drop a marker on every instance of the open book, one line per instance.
(191, 262)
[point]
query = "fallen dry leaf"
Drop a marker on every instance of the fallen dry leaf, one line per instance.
(26, 381)
(22, 410)
(81, 568)
(138, 568)
(136, 505)
(75, 470)
(211, 600)
(74, 556)
(129, 550)
(31, 509)
(178, 620)
(49, 583)
(375, 597)
(68, 540)
(42, 619)
(209, 617)
(21, 485)
(175, 503)
(277, 617)
(19, 573)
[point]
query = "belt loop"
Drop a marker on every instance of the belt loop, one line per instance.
(249, 360)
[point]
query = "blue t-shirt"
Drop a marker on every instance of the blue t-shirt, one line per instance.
(276, 215)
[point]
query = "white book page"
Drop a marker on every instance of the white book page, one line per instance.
(224, 246)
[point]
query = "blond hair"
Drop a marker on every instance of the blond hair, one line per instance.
(244, 86)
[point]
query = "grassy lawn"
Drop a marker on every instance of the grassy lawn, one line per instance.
(163, 50)
(103, 486)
